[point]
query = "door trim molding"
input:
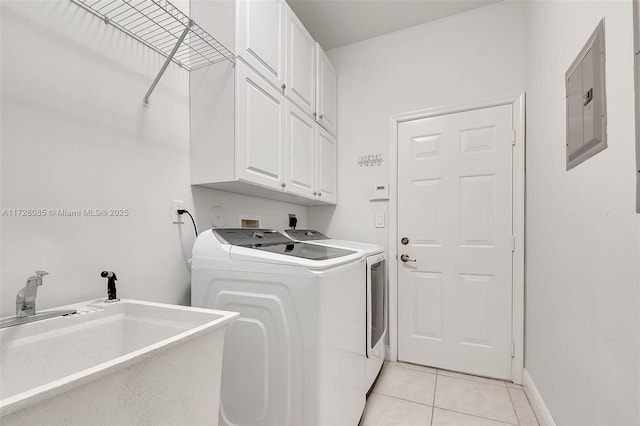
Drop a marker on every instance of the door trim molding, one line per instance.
(518, 103)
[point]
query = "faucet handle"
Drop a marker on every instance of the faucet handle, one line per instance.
(36, 280)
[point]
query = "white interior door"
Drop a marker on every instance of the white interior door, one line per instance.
(455, 210)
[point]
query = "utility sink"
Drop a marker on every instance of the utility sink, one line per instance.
(128, 362)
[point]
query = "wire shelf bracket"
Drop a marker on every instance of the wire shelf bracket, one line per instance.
(162, 27)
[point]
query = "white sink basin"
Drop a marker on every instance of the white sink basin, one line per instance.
(129, 362)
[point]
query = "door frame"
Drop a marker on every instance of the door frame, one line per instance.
(517, 316)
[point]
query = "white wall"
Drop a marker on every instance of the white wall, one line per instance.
(75, 135)
(583, 235)
(452, 61)
(234, 207)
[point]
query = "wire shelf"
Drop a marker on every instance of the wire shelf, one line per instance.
(162, 27)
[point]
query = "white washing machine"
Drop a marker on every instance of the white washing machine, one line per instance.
(295, 355)
(375, 294)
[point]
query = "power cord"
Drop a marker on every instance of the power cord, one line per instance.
(182, 211)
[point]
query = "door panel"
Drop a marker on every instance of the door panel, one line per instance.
(477, 210)
(261, 37)
(301, 64)
(426, 323)
(301, 157)
(455, 207)
(327, 166)
(327, 97)
(260, 124)
(427, 230)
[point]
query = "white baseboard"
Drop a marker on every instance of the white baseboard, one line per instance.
(535, 399)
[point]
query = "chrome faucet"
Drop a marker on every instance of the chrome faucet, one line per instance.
(26, 298)
(26, 304)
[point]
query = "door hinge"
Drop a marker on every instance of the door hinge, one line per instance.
(513, 243)
(513, 136)
(513, 349)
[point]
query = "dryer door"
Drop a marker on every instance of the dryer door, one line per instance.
(376, 301)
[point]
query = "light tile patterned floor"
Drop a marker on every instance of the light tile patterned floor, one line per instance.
(411, 395)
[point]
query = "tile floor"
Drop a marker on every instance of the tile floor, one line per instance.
(411, 395)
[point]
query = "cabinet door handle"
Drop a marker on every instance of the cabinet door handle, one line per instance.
(284, 184)
(321, 116)
(315, 193)
(319, 194)
(284, 86)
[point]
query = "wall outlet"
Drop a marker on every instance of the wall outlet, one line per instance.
(175, 206)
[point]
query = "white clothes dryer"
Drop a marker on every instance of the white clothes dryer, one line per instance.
(294, 356)
(375, 294)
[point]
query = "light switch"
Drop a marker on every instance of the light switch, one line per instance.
(586, 101)
(379, 220)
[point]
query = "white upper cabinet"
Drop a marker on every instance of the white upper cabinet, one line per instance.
(260, 130)
(261, 37)
(255, 128)
(311, 158)
(301, 64)
(326, 168)
(327, 93)
(300, 152)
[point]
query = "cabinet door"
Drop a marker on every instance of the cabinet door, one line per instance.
(301, 64)
(300, 152)
(260, 125)
(261, 37)
(327, 149)
(327, 93)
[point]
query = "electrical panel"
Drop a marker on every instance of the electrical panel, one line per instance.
(586, 101)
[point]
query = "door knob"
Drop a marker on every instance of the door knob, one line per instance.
(406, 258)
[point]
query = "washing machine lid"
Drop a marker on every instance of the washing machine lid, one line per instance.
(267, 240)
(316, 237)
(306, 251)
(305, 235)
(247, 237)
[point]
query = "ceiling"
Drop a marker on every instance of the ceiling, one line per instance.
(335, 23)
